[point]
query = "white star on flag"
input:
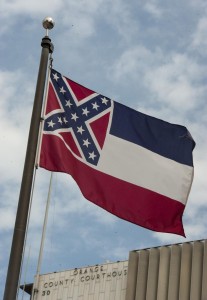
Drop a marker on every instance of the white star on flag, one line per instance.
(92, 155)
(80, 129)
(51, 124)
(62, 90)
(65, 120)
(104, 100)
(60, 121)
(86, 143)
(55, 76)
(68, 103)
(95, 106)
(74, 117)
(85, 111)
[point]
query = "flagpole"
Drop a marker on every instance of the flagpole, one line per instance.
(36, 283)
(15, 260)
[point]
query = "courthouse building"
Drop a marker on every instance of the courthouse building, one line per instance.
(172, 272)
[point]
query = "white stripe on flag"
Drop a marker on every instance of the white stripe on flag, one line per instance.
(137, 165)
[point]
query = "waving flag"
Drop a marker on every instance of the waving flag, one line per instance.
(137, 167)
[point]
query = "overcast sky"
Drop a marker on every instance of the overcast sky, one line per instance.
(148, 54)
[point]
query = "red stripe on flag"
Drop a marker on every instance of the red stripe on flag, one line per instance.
(125, 200)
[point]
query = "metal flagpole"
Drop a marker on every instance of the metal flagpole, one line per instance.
(36, 284)
(18, 241)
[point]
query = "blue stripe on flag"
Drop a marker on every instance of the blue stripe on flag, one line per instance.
(169, 140)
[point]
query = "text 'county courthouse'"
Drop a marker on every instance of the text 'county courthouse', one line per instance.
(173, 272)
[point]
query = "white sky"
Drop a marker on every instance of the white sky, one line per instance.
(148, 54)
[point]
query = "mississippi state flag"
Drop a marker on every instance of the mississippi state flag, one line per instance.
(136, 167)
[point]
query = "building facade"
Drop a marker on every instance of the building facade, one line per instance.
(172, 272)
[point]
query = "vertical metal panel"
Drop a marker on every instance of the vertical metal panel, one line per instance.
(197, 271)
(123, 283)
(153, 274)
(177, 272)
(163, 279)
(185, 272)
(132, 275)
(174, 273)
(204, 281)
(142, 274)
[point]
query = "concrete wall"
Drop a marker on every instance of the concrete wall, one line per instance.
(100, 282)
(175, 272)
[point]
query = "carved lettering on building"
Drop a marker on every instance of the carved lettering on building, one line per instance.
(84, 275)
